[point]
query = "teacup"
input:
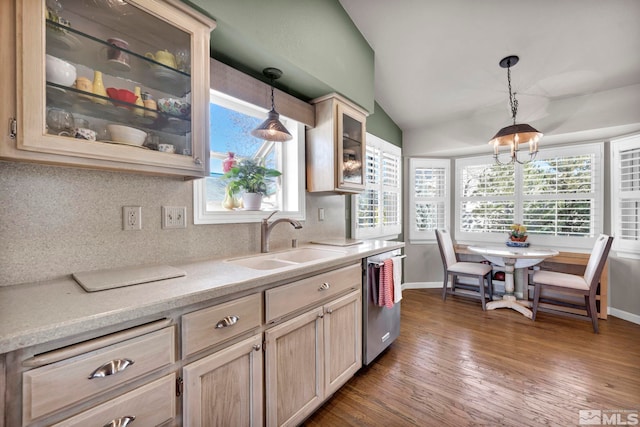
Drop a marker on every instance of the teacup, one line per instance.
(166, 148)
(164, 57)
(117, 56)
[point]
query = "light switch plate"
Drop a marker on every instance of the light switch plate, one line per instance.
(174, 217)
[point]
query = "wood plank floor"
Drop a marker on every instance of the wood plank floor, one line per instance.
(455, 365)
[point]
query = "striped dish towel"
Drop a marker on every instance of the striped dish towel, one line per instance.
(385, 296)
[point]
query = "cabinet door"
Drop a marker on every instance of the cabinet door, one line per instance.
(350, 162)
(342, 339)
(225, 389)
(294, 368)
(70, 53)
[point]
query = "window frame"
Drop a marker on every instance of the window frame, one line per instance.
(380, 231)
(580, 243)
(293, 162)
(623, 248)
(428, 236)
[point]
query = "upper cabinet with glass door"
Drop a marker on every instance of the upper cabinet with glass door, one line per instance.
(113, 84)
(336, 146)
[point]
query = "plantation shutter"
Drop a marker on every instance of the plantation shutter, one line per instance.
(626, 196)
(429, 198)
(377, 210)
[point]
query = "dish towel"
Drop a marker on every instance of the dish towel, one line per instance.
(374, 280)
(385, 296)
(397, 278)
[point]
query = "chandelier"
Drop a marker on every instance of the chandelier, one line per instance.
(517, 133)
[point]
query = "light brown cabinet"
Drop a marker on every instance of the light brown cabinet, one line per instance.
(336, 146)
(309, 357)
(225, 388)
(156, 48)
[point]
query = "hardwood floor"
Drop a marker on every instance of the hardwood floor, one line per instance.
(455, 365)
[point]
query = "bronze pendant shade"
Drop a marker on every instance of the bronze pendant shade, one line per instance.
(272, 129)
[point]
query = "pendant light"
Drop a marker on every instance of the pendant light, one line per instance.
(271, 129)
(517, 133)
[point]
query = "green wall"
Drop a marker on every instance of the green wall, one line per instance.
(314, 42)
(382, 126)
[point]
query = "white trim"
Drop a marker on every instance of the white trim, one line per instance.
(624, 315)
(421, 285)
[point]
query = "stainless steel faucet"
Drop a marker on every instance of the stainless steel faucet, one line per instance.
(266, 227)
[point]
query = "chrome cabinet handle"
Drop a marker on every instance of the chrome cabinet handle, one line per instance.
(256, 347)
(197, 161)
(121, 422)
(324, 286)
(329, 310)
(111, 368)
(227, 321)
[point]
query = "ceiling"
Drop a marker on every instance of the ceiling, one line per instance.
(437, 71)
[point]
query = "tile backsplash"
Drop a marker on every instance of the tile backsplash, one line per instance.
(56, 220)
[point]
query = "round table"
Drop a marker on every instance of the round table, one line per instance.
(512, 258)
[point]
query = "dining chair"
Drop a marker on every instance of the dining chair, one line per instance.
(455, 268)
(572, 284)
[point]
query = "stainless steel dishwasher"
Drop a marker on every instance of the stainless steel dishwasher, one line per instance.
(380, 325)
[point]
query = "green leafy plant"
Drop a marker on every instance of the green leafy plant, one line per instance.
(250, 176)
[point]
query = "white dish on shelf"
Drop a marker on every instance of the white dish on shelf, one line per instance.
(123, 143)
(118, 65)
(164, 74)
(63, 40)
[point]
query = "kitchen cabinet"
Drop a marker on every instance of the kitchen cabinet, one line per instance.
(310, 356)
(225, 388)
(102, 371)
(159, 49)
(336, 146)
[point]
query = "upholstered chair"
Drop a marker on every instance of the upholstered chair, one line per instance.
(455, 268)
(563, 283)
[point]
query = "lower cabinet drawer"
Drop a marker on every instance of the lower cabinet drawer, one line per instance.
(58, 385)
(286, 299)
(149, 405)
(209, 326)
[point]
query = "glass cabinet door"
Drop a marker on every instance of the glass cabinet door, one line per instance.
(119, 83)
(351, 148)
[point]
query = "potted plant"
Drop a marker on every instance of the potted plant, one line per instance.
(518, 233)
(250, 177)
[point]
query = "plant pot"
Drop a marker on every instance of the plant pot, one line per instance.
(518, 239)
(252, 201)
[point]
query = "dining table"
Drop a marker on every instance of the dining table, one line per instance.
(513, 259)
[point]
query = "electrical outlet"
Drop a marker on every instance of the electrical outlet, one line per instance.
(132, 218)
(174, 217)
(320, 214)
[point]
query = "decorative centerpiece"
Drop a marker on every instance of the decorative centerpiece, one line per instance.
(518, 236)
(251, 177)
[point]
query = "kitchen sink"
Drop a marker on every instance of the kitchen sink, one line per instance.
(271, 261)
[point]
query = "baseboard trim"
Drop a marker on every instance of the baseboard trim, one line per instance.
(421, 285)
(624, 315)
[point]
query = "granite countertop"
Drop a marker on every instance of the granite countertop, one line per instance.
(36, 313)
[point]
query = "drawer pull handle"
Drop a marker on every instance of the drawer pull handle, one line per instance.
(111, 368)
(227, 321)
(121, 422)
(324, 286)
